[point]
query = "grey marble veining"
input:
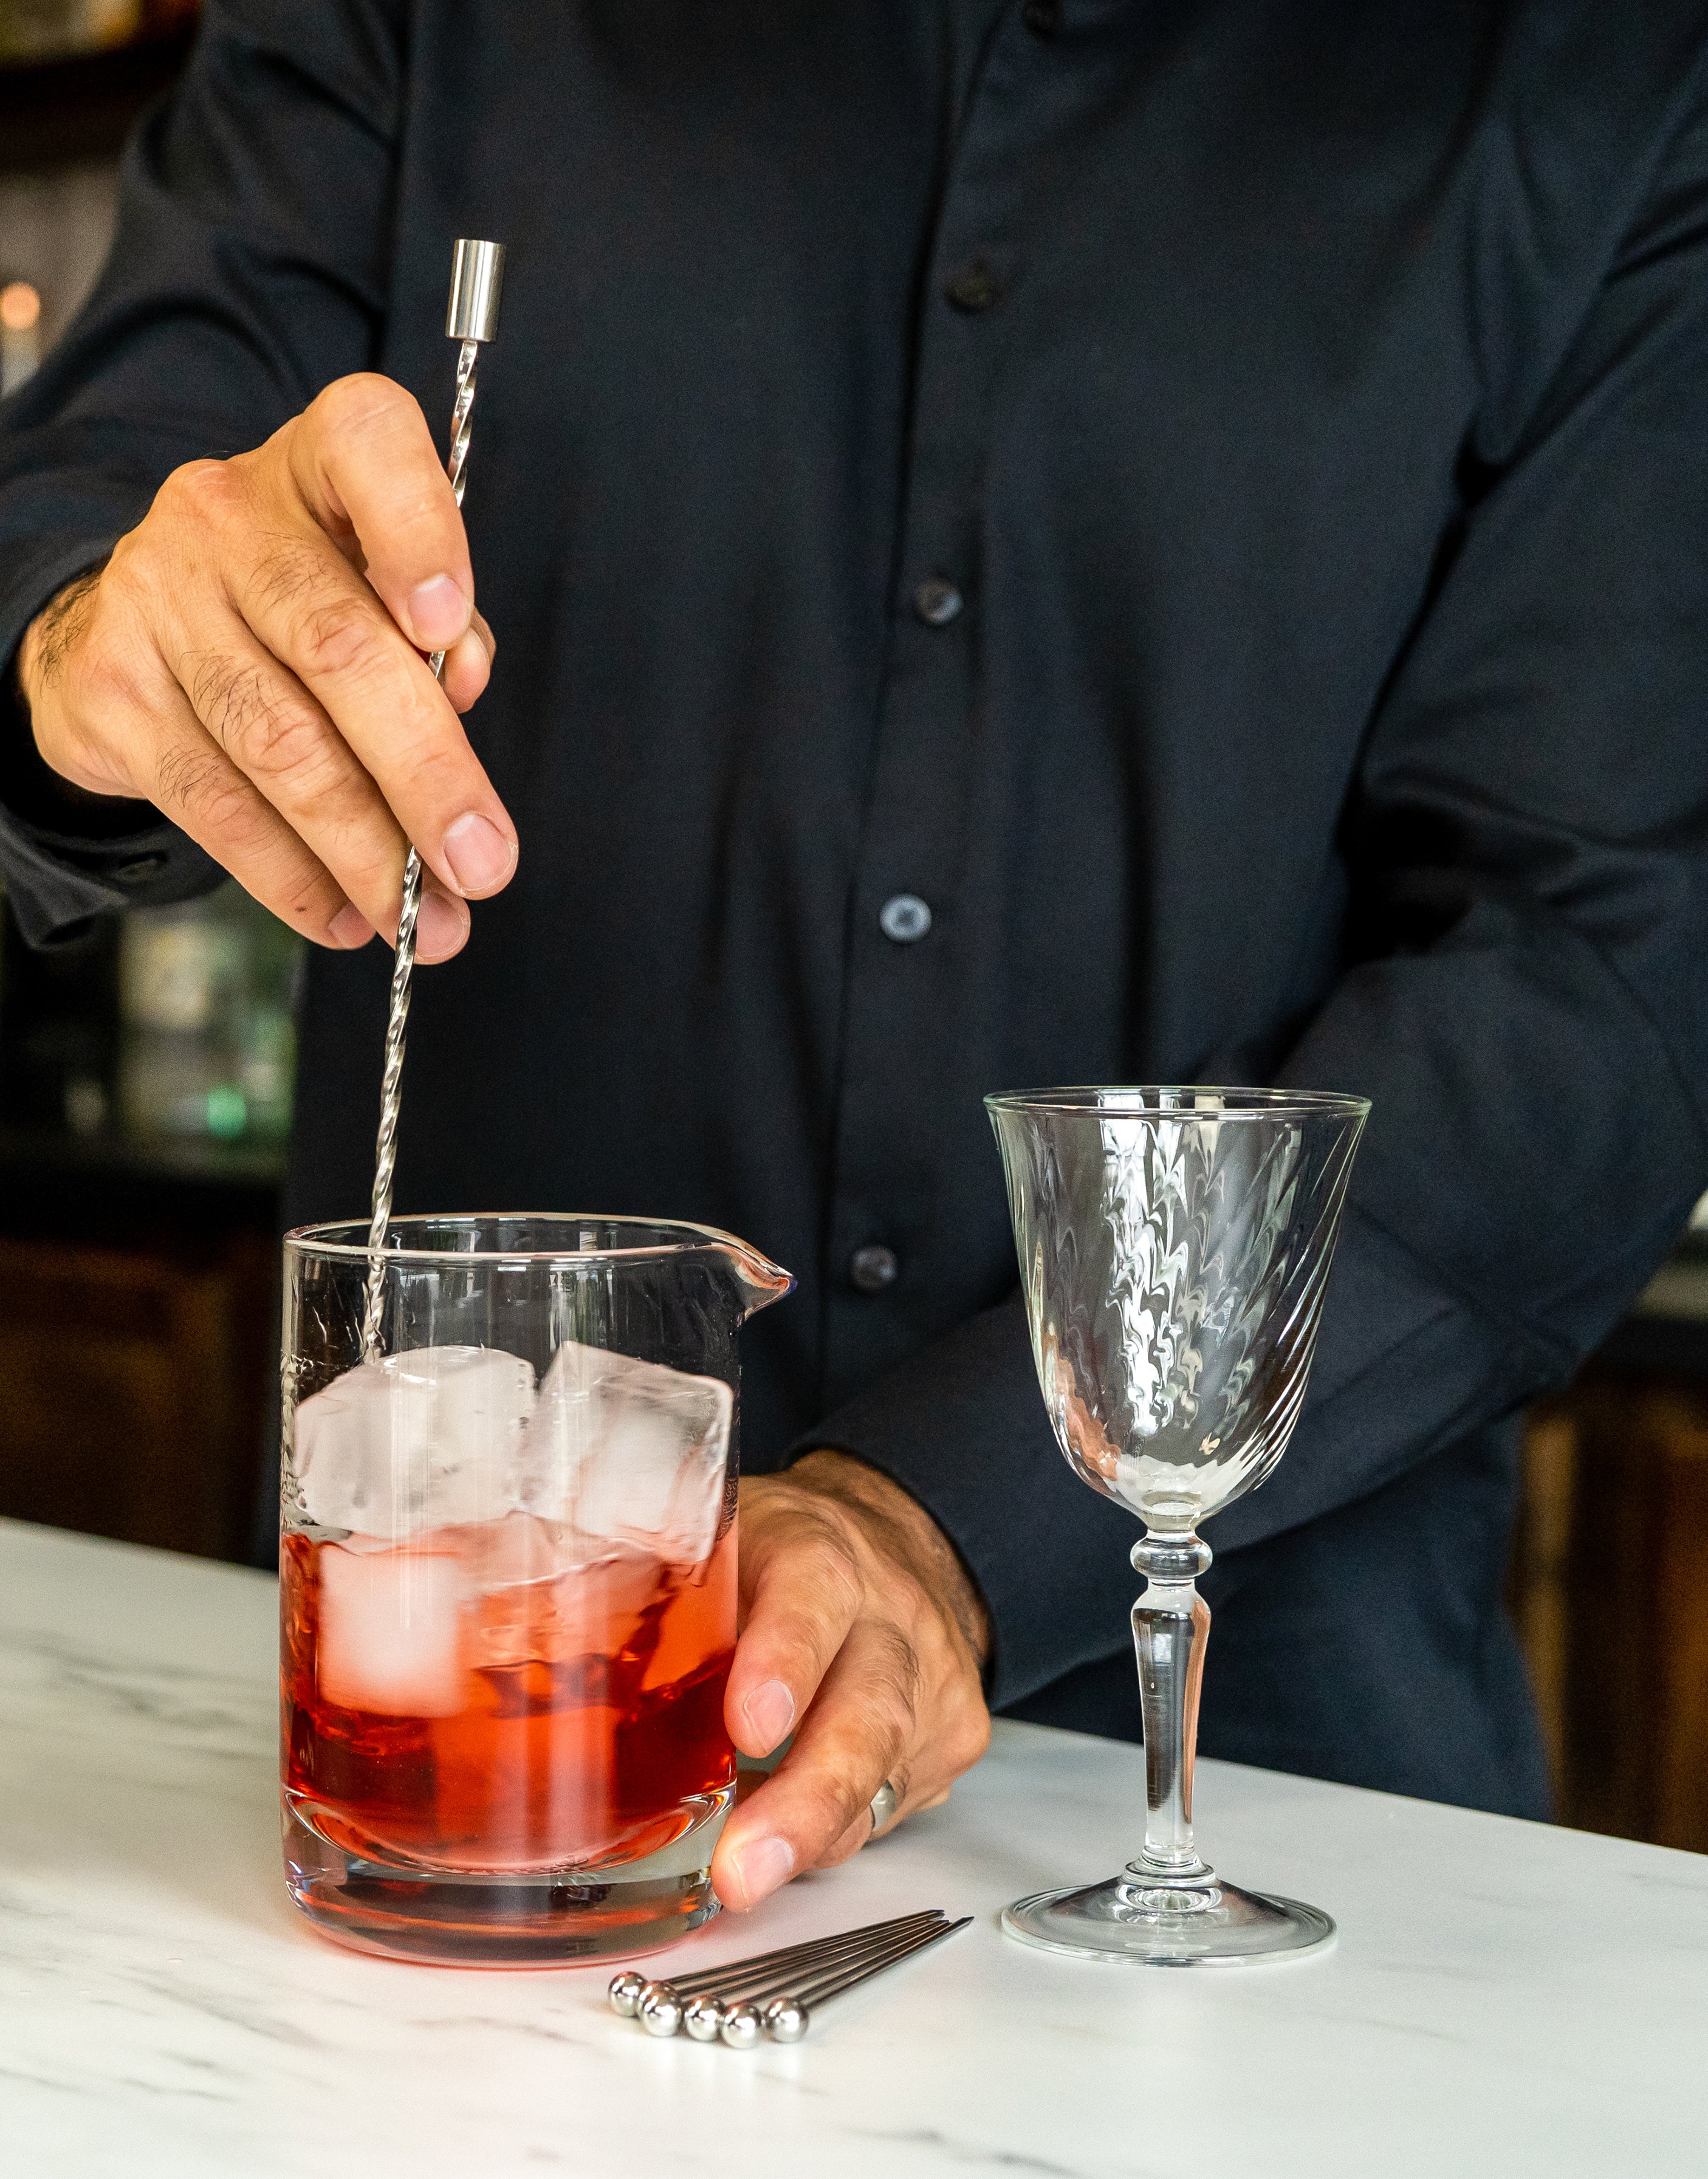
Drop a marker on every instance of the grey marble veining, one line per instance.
(1504, 1999)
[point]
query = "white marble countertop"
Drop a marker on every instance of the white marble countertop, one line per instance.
(1504, 1999)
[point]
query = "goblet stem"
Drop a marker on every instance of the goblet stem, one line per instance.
(1171, 1625)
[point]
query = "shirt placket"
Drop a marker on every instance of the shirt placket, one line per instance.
(912, 935)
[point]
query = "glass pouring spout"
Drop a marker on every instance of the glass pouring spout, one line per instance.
(757, 1281)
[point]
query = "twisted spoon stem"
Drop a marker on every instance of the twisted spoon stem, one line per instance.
(404, 960)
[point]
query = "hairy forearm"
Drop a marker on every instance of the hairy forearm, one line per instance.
(53, 634)
(30, 786)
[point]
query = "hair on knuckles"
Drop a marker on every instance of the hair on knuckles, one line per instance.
(202, 787)
(261, 727)
(336, 636)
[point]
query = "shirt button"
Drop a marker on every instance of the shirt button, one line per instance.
(873, 1268)
(974, 288)
(937, 601)
(905, 919)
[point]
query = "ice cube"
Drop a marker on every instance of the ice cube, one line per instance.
(425, 1440)
(536, 1591)
(391, 1631)
(518, 1552)
(630, 1454)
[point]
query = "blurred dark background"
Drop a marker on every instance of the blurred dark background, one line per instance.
(145, 1084)
(146, 1071)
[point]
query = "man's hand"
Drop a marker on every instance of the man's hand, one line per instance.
(862, 1635)
(249, 661)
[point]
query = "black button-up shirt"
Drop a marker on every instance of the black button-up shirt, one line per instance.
(1208, 499)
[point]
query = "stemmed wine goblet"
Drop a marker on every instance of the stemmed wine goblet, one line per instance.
(1174, 1247)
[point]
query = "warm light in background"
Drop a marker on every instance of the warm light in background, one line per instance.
(20, 307)
(20, 334)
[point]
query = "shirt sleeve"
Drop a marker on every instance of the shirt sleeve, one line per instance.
(1523, 996)
(248, 270)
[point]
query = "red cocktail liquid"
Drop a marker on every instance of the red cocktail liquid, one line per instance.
(565, 1718)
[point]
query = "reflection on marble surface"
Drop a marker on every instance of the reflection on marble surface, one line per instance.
(1504, 1999)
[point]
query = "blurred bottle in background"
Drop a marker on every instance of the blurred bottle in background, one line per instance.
(208, 1037)
(59, 1032)
(172, 1026)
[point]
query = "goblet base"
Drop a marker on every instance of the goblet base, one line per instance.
(1099, 1921)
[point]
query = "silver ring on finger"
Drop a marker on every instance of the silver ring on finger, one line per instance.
(885, 1802)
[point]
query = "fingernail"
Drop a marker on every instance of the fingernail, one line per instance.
(441, 927)
(480, 856)
(760, 1868)
(349, 927)
(770, 1712)
(438, 612)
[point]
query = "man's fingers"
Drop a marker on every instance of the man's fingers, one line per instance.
(863, 1830)
(280, 739)
(468, 668)
(367, 461)
(442, 923)
(860, 1731)
(312, 610)
(233, 646)
(864, 1827)
(194, 782)
(803, 1592)
(199, 787)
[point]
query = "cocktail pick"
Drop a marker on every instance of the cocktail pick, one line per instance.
(663, 2006)
(625, 1989)
(734, 2018)
(786, 2017)
(704, 2015)
(477, 279)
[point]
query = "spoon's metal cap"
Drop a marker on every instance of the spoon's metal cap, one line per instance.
(477, 282)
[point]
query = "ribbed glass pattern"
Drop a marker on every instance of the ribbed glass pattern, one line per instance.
(1174, 1247)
